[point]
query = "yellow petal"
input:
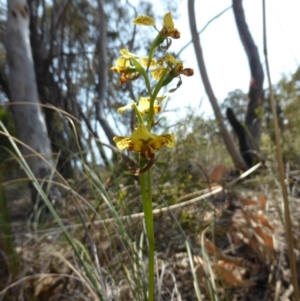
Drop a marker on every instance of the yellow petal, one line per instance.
(144, 20)
(136, 146)
(116, 69)
(144, 106)
(122, 65)
(127, 54)
(170, 31)
(123, 109)
(157, 143)
(169, 58)
(157, 73)
(142, 134)
(122, 142)
(161, 98)
(169, 140)
(145, 61)
(168, 21)
(161, 140)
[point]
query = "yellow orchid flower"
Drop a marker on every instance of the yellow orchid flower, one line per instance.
(143, 106)
(124, 67)
(175, 67)
(178, 66)
(169, 30)
(144, 142)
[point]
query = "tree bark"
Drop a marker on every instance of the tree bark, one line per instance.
(227, 138)
(102, 75)
(23, 90)
(253, 122)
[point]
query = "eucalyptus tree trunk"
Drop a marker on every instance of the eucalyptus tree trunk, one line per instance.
(103, 75)
(249, 133)
(23, 90)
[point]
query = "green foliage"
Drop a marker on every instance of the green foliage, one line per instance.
(238, 101)
(199, 147)
(8, 120)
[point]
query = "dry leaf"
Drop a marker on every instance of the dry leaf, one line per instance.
(236, 261)
(267, 239)
(246, 216)
(248, 202)
(211, 248)
(217, 173)
(264, 221)
(262, 202)
(231, 277)
(252, 242)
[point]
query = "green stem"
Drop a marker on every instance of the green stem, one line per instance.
(146, 189)
(151, 240)
(158, 40)
(153, 97)
(160, 83)
(138, 114)
(144, 74)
